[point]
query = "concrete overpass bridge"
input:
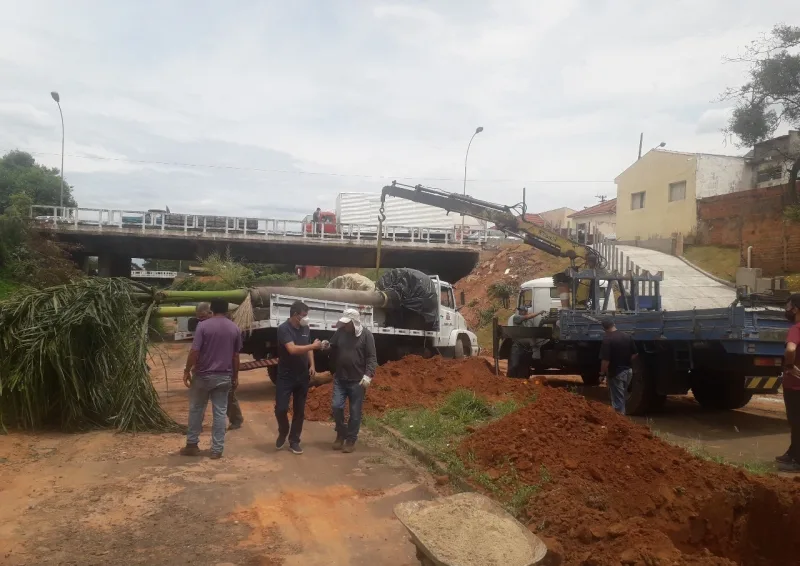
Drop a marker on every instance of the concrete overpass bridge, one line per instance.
(115, 236)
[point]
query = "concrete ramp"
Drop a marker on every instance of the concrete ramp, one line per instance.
(683, 287)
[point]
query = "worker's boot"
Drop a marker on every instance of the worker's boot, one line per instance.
(349, 446)
(338, 443)
(190, 450)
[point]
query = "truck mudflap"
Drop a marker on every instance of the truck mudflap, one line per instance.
(759, 384)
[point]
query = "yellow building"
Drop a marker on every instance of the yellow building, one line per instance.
(657, 195)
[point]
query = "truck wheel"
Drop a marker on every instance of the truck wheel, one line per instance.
(272, 372)
(718, 393)
(642, 395)
(458, 351)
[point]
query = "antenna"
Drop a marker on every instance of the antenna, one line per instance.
(601, 197)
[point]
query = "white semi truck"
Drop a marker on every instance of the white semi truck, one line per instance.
(362, 208)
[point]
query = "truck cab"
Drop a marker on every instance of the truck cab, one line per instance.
(454, 339)
(541, 294)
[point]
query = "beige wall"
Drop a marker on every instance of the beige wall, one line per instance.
(659, 218)
(558, 218)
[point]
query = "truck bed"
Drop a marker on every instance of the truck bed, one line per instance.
(740, 329)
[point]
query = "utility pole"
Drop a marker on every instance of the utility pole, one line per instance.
(641, 139)
(57, 98)
(478, 130)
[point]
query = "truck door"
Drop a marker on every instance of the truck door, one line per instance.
(447, 306)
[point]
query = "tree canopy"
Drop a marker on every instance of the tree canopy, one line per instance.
(771, 95)
(19, 173)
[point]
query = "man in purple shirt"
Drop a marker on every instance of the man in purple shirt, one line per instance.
(215, 360)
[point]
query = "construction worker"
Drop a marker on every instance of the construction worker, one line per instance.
(212, 369)
(295, 370)
(790, 461)
(617, 353)
(354, 360)
(235, 418)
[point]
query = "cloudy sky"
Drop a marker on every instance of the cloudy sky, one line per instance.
(271, 108)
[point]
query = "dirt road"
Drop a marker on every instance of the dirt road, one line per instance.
(103, 498)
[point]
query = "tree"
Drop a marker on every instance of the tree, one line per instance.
(19, 173)
(771, 96)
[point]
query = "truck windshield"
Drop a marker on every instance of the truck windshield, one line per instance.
(525, 298)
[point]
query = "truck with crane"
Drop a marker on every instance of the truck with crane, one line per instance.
(723, 356)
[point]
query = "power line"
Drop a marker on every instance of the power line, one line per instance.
(294, 171)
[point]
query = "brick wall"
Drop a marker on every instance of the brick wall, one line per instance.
(752, 218)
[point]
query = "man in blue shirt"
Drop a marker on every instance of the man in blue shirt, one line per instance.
(295, 370)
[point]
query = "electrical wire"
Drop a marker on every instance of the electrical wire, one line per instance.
(298, 171)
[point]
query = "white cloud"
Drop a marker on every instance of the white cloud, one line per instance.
(275, 90)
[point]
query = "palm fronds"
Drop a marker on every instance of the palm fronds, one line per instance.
(74, 357)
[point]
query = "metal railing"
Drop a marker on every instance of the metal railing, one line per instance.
(151, 222)
(620, 263)
(142, 274)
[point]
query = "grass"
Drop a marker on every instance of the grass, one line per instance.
(440, 430)
(7, 288)
(716, 260)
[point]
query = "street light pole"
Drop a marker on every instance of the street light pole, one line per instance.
(57, 98)
(478, 130)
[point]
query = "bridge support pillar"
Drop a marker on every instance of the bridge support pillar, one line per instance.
(113, 265)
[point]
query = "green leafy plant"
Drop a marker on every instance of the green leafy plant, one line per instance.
(502, 292)
(75, 357)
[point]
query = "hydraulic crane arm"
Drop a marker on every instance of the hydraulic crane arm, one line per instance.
(510, 220)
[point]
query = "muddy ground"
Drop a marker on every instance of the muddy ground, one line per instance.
(103, 498)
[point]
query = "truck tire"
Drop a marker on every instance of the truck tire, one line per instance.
(272, 372)
(458, 350)
(716, 393)
(642, 396)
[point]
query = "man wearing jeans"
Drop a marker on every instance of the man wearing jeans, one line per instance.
(617, 354)
(354, 362)
(235, 417)
(215, 360)
(295, 370)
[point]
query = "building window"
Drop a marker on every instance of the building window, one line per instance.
(677, 191)
(771, 174)
(637, 200)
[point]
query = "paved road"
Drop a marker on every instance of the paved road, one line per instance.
(683, 287)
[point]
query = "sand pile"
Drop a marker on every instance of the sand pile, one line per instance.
(618, 495)
(513, 264)
(415, 381)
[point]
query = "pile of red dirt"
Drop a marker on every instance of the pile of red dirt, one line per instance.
(416, 381)
(612, 493)
(513, 264)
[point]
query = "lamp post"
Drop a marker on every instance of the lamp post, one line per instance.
(478, 130)
(57, 98)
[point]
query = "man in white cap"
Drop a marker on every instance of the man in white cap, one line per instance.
(354, 362)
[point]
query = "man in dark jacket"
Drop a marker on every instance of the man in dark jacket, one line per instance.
(354, 362)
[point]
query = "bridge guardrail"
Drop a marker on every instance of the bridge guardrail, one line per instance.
(270, 228)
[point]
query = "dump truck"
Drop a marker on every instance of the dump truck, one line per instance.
(723, 356)
(410, 313)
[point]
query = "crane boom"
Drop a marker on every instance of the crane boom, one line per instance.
(509, 219)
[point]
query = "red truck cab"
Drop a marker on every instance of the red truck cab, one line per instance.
(326, 224)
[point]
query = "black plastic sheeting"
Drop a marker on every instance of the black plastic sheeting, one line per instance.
(415, 294)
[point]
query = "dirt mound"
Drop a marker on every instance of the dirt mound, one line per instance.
(612, 493)
(512, 264)
(415, 381)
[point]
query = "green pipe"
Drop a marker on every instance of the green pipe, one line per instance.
(232, 296)
(170, 312)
